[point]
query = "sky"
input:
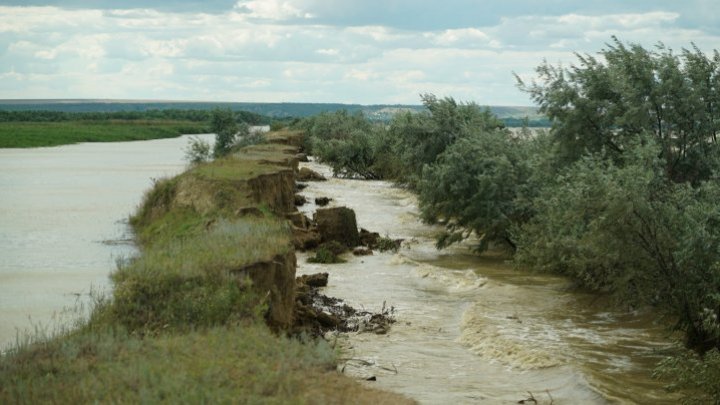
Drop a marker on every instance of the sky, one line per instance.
(345, 51)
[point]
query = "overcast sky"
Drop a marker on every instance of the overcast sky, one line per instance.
(350, 51)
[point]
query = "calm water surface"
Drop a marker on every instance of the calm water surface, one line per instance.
(63, 213)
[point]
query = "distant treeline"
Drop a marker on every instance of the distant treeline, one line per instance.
(511, 116)
(156, 114)
(530, 123)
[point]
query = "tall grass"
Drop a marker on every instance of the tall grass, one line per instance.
(188, 283)
(243, 363)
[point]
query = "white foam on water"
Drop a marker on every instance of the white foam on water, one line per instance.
(509, 340)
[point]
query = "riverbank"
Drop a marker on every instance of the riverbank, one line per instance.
(37, 134)
(472, 328)
(188, 319)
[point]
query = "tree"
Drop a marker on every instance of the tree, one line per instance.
(326, 126)
(225, 127)
(421, 138)
(473, 187)
(606, 104)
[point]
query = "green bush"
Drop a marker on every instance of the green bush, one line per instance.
(697, 377)
(325, 255)
(198, 151)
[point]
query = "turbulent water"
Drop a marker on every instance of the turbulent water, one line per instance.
(468, 329)
(62, 223)
(472, 329)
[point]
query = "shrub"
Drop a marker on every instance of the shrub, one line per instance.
(697, 377)
(198, 151)
(325, 255)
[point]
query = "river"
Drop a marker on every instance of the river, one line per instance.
(469, 329)
(474, 330)
(63, 213)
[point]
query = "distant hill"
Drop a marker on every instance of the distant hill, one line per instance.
(379, 112)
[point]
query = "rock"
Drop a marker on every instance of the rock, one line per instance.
(313, 280)
(304, 239)
(322, 201)
(371, 378)
(362, 252)
(302, 157)
(337, 224)
(306, 174)
(300, 186)
(300, 200)
(369, 239)
(297, 219)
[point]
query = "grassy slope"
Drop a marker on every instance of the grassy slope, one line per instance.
(180, 327)
(34, 134)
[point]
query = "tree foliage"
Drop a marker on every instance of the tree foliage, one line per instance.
(473, 186)
(421, 138)
(606, 102)
(225, 127)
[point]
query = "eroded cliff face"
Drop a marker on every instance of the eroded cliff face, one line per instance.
(275, 190)
(254, 184)
(275, 279)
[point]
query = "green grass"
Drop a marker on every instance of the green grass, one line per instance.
(241, 363)
(35, 134)
(231, 168)
(187, 283)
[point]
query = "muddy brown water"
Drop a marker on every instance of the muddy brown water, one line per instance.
(474, 330)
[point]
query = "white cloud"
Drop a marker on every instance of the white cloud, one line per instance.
(271, 9)
(454, 36)
(270, 51)
(327, 51)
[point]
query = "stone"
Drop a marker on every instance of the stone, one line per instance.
(304, 239)
(362, 252)
(322, 201)
(313, 280)
(306, 174)
(369, 239)
(298, 219)
(337, 224)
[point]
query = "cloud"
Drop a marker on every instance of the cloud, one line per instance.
(454, 36)
(271, 9)
(315, 50)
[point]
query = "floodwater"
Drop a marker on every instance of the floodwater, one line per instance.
(474, 330)
(468, 330)
(63, 223)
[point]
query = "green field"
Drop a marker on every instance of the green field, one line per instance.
(35, 134)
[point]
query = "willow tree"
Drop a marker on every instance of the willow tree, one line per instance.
(606, 102)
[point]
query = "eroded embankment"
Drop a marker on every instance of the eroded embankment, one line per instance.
(187, 321)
